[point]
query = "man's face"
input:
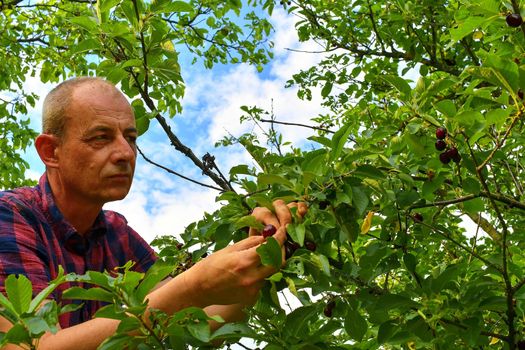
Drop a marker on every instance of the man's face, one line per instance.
(98, 151)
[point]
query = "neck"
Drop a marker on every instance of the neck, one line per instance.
(77, 210)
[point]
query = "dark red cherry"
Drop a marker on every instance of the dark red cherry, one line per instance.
(514, 20)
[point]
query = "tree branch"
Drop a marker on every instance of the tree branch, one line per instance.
(175, 173)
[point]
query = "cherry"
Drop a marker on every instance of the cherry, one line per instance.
(417, 217)
(514, 20)
(440, 145)
(441, 133)
(520, 94)
(323, 204)
(329, 308)
(268, 230)
(453, 154)
(311, 246)
(444, 157)
(289, 248)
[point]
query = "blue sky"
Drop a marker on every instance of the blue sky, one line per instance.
(161, 203)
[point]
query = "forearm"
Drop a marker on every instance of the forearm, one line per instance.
(229, 313)
(85, 336)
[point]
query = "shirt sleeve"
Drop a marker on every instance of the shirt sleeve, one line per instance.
(20, 253)
(143, 253)
(135, 248)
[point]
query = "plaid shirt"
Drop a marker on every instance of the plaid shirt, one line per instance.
(35, 239)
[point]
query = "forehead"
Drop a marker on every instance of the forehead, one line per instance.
(99, 103)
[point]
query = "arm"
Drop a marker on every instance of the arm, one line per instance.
(223, 283)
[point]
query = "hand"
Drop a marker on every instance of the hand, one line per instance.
(232, 275)
(282, 216)
(280, 220)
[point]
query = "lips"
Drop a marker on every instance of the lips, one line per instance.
(120, 176)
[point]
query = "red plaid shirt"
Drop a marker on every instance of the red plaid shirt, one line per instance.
(35, 240)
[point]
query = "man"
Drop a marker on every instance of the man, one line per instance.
(88, 148)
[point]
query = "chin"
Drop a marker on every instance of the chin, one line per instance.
(117, 196)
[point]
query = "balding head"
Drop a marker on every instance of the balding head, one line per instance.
(59, 99)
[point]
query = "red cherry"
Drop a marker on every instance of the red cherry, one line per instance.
(311, 246)
(268, 230)
(441, 133)
(453, 154)
(289, 248)
(514, 20)
(440, 145)
(444, 157)
(417, 217)
(329, 308)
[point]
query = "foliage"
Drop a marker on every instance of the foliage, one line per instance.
(391, 255)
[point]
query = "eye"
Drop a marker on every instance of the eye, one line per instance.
(132, 139)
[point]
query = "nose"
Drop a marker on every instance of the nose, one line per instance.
(124, 150)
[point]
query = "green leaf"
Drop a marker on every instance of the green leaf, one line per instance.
(8, 311)
(369, 171)
(400, 84)
(359, 200)
(234, 331)
(339, 140)
(200, 330)
(156, 273)
(297, 321)
(327, 88)
(465, 28)
(447, 107)
(87, 45)
(19, 291)
(410, 262)
(88, 294)
(471, 185)
(355, 325)
(386, 331)
(44, 293)
(474, 206)
(271, 179)
(297, 232)
(447, 276)
(18, 335)
(106, 5)
(85, 22)
(505, 70)
(270, 253)
(248, 221)
(171, 6)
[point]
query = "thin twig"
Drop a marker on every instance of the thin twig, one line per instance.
(177, 174)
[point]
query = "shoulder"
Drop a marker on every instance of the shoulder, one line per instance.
(114, 218)
(20, 200)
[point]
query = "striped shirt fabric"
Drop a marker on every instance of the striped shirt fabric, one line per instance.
(35, 239)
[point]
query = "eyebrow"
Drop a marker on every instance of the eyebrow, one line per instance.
(103, 128)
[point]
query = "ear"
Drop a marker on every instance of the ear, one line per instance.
(46, 146)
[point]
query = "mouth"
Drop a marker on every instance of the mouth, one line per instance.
(120, 177)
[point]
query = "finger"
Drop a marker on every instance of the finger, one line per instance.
(282, 212)
(280, 235)
(247, 243)
(265, 216)
(302, 208)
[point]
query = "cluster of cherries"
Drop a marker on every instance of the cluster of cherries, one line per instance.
(448, 154)
(289, 246)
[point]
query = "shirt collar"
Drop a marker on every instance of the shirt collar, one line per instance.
(64, 231)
